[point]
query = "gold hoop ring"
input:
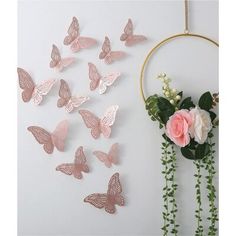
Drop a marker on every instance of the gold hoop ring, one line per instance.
(161, 44)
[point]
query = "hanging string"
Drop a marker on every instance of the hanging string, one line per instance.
(186, 31)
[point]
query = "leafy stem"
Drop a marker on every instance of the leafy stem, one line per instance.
(198, 211)
(209, 166)
(173, 192)
(165, 212)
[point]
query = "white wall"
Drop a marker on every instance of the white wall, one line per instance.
(51, 203)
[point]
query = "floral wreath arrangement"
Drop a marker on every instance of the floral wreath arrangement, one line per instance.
(187, 126)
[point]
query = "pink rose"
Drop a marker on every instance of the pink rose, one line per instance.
(178, 127)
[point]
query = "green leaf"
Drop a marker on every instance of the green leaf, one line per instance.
(186, 152)
(166, 109)
(212, 115)
(186, 103)
(206, 101)
(202, 150)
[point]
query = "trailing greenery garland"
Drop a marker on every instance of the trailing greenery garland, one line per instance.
(188, 126)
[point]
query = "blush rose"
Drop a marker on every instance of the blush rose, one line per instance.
(178, 127)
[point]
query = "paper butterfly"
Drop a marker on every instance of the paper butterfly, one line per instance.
(32, 91)
(77, 167)
(108, 55)
(111, 198)
(110, 158)
(100, 126)
(102, 82)
(75, 40)
(58, 62)
(128, 36)
(70, 102)
(49, 140)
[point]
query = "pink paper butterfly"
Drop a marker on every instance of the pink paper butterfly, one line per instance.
(128, 36)
(58, 62)
(111, 198)
(49, 140)
(77, 167)
(110, 158)
(32, 91)
(70, 102)
(108, 55)
(97, 125)
(75, 40)
(102, 82)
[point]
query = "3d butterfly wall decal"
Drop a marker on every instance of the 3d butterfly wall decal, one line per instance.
(101, 82)
(110, 158)
(32, 91)
(100, 126)
(108, 55)
(49, 140)
(128, 36)
(74, 39)
(68, 101)
(111, 198)
(77, 167)
(57, 62)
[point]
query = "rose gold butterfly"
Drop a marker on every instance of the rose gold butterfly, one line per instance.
(68, 101)
(108, 55)
(100, 126)
(110, 158)
(128, 36)
(58, 62)
(49, 140)
(32, 91)
(75, 40)
(102, 82)
(111, 198)
(77, 167)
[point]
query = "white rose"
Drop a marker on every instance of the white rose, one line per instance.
(201, 124)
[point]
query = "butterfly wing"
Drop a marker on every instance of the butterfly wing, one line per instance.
(65, 62)
(73, 31)
(42, 137)
(106, 48)
(103, 157)
(114, 56)
(64, 94)
(42, 90)
(59, 135)
(113, 192)
(82, 43)
(55, 56)
(134, 39)
(128, 31)
(97, 199)
(75, 102)
(94, 76)
(108, 120)
(107, 81)
(66, 168)
(80, 162)
(26, 83)
(92, 122)
(113, 153)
